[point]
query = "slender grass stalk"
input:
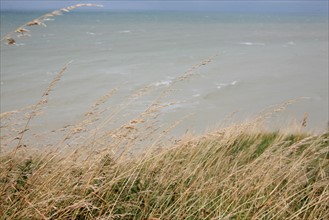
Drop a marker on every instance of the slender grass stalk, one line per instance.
(37, 106)
(23, 31)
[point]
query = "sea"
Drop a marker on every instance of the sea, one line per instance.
(258, 62)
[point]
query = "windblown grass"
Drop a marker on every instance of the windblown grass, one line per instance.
(23, 30)
(134, 171)
(233, 173)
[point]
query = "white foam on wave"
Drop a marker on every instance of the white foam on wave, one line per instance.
(163, 83)
(90, 33)
(291, 43)
(252, 43)
(222, 85)
(125, 32)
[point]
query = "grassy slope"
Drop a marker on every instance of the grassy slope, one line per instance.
(224, 175)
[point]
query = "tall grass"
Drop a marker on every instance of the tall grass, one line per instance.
(233, 173)
(91, 170)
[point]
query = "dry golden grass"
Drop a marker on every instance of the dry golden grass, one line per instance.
(133, 170)
(236, 172)
(22, 31)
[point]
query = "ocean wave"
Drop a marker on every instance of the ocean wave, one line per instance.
(222, 85)
(289, 44)
(90, 33)
(163, 83)
(252, 43)
(125, 32)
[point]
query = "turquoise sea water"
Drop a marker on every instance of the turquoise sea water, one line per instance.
(263, 60)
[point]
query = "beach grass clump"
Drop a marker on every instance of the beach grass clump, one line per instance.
(231, 175)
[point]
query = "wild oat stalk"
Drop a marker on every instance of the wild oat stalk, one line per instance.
(23, 31)
(36, 108)
(141, 128)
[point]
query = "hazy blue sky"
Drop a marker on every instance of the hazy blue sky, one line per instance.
(280, 6)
